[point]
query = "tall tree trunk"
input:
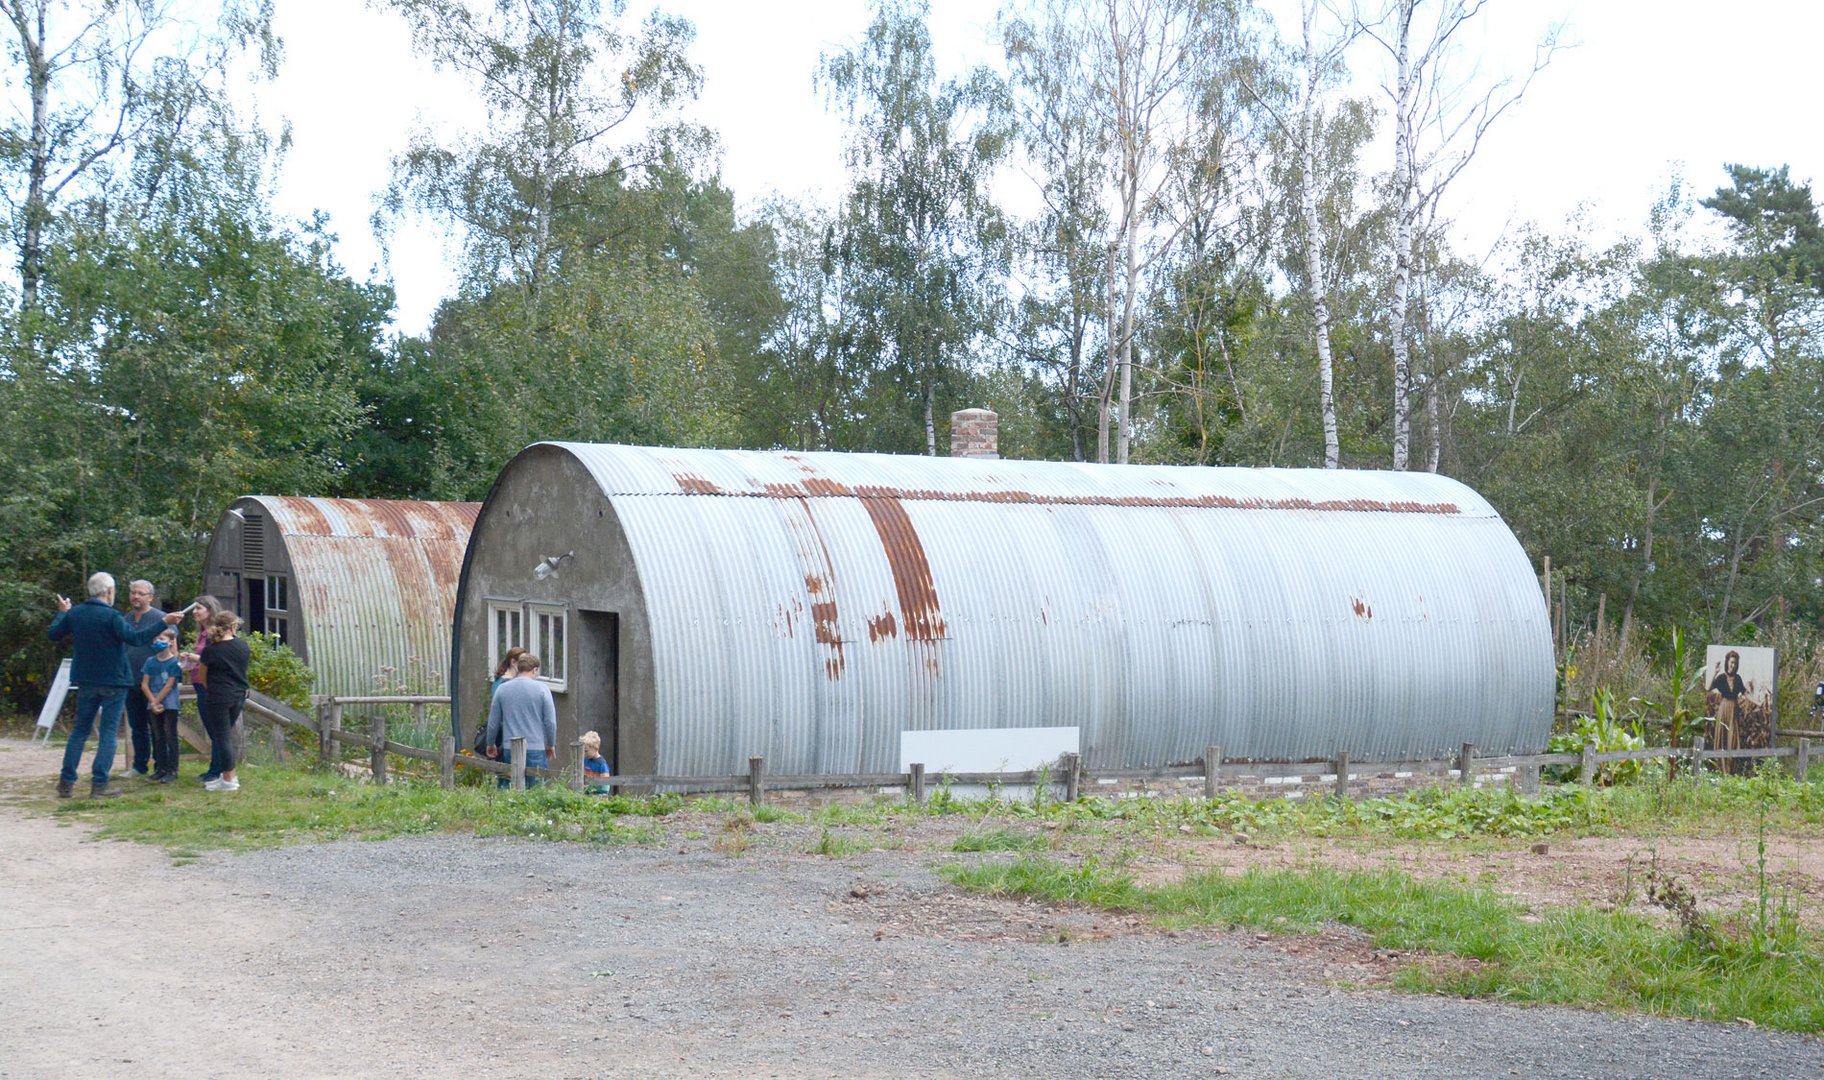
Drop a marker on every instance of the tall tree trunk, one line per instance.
(1124, 435)
(1435, 424)
(1108, 375)
(1404, 228)
(1314, 257)
(30, 28)
(930, 424)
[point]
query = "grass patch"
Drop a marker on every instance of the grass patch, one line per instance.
(294, 804)
(1571, 956)
(1447, 812)
(999, 840)
(837, 845)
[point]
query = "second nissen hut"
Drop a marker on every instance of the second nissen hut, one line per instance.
(361, 589)
(843, 613)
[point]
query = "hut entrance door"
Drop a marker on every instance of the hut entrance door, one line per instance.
(595, 682)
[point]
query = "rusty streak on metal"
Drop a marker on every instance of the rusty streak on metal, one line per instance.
(693, 484)
(816, 487)
(1362, 610)
(882, 626)
(918, 607)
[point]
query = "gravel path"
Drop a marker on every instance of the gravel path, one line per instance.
(448, 955)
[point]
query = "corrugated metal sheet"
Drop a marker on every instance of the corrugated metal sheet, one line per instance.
(811, 607)
(373, 586)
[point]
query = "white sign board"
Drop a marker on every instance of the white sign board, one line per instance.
(959, 750)
(53, 702)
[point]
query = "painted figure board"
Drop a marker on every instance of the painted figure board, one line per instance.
(1739, 701)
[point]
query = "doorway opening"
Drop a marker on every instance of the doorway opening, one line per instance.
(595, 683)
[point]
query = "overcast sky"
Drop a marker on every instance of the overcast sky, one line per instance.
(1651, 86)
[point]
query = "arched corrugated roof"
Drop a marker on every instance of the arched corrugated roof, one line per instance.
(374, 585)
(813, 606)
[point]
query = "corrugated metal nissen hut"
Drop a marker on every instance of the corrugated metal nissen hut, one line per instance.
(855, 612)
(362, 589)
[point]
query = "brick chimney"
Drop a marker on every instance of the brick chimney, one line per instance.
(975, 433)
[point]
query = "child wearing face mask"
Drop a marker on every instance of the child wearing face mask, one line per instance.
(159, 681)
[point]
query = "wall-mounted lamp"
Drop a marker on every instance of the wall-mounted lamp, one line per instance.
(237, 515)
(547, 567)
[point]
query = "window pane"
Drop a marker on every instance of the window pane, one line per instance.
(557, 647)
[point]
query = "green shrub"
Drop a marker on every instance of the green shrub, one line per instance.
(276, 671)
(1603, 732)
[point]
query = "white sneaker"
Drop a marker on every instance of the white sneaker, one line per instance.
(219, 784)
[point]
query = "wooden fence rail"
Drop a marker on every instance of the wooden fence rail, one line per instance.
(1067, 777)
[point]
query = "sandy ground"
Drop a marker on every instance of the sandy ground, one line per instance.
(1722, 870)
(450, 956)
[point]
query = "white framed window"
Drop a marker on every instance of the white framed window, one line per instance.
(506, 628)
(547, 640)
(278, 607)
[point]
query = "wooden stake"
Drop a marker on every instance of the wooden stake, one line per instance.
(1212, 764)
(756, 780)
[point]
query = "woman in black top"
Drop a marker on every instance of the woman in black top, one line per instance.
(226, 660)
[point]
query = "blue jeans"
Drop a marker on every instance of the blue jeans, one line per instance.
(535, 759)
(107, 702)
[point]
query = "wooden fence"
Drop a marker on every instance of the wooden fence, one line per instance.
(1068, 777)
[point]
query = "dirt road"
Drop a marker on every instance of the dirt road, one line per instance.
(457, 956)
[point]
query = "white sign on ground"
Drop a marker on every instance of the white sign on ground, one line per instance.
(960, 750)
(53, 702)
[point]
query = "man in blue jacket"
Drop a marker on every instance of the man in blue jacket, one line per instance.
(103, 679)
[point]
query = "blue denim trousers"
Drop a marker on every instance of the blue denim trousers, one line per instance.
(535, 759)
(91, 701)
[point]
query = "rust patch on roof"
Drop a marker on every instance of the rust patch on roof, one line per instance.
(920, 615)
(819, 487)
(882, 626)
(1362, 610)
(692, 484)
(819, 584)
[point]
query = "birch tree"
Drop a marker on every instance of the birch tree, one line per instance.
(1439, 122)
(919, 239)
(92, 73)
(1321, 64)
(563, 84)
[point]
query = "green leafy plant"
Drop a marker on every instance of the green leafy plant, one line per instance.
(1674, 709)
(276, 671)
(1604, 732)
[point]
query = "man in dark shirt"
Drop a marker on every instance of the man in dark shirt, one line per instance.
(141, 613)
(99, 669)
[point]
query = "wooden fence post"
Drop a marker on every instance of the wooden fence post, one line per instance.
(278, 742)
(1526, 777)
(1070, 761)
(1212, 761)
(334, 744)
(323, 731)
(377, 755)
(1801, 762)
(756, 780)
(418, 715)
(1697, 757)
(1342, 774)
(518, 750)
(446, 763)
(915, 782)
(576, 765)
(1586, 765)
(1466, 764)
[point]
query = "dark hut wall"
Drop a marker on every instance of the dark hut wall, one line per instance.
(547, 504)
(815, 607)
